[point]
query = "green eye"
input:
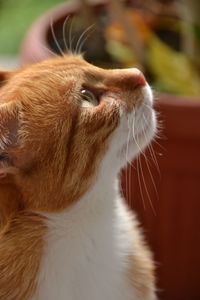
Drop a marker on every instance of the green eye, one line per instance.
(88, 99)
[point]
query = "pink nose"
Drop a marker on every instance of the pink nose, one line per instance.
(138, 77)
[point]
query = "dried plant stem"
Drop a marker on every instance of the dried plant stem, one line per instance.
(135, 43)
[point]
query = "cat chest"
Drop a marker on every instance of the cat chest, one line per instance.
(82, 265)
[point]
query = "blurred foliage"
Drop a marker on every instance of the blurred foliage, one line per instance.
(16, 16)
(160, 37)
(172, 70)
(169, 41)
(197, 31)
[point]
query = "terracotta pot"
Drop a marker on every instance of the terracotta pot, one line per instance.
(172, 221)
(36, 44)
(39, 41)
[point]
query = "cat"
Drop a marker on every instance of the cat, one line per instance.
(65, 230)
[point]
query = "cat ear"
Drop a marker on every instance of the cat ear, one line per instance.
(8, 136)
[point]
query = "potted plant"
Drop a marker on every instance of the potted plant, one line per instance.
(166, 200)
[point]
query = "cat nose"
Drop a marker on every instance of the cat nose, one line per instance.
(138, 78)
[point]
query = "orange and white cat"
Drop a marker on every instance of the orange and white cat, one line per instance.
(65, 231)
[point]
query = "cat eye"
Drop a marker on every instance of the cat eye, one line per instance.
(88, 98)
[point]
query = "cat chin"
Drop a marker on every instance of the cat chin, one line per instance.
(131, 150)
(136, 130)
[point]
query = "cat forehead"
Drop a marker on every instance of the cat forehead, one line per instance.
(56, 73)
(63, 64)
(60, 69)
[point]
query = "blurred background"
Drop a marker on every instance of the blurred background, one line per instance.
(16, 18)
(162, 38)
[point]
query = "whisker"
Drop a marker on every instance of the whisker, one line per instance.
(128, 169)
(139, 181)
(49, 50)
(134, 135)
(55, 39)
(145, 186)
(150, 173)
(84, 40)
(126, 182)
(159, 127)
(64, 33)
(154, 158)
(156, 142)
(151, 150)
(70, 39)
(149, 106)
(152, 179)
(80, 43)
(139, 170)
(130, 164)
(130, 180)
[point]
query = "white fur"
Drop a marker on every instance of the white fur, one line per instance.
(87, 246)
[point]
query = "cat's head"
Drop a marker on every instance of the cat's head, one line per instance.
(62, 119)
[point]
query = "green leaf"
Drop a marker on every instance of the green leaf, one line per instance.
(197, 31)
(172, 69)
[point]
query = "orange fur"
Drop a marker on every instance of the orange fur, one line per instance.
(45, 135)
(21, 243)
(142, 270)
(62, 146)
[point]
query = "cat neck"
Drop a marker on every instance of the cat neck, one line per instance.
(95, 204)
(84, 240)
(101, 196)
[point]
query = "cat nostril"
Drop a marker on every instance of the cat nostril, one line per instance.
(138, 78)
